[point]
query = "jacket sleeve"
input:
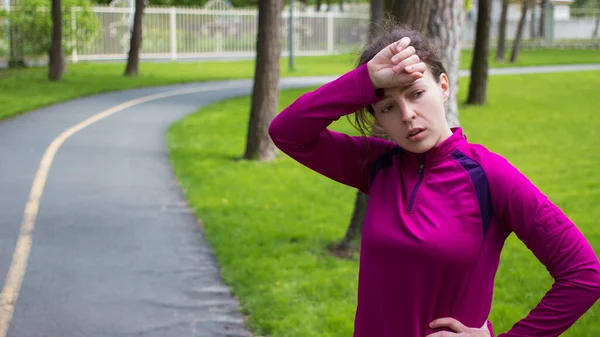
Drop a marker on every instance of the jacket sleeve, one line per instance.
(556, 242)
(301, 130)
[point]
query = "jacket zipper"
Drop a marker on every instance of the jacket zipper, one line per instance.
(421, 174)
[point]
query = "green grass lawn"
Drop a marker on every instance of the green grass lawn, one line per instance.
(270, 223)
(537, 57)
(28, 89)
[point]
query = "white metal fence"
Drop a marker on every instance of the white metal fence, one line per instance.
(575, 30)
(193, 33)
(186, 33)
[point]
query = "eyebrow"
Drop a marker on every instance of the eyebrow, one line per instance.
(410, 85)
(404, 88)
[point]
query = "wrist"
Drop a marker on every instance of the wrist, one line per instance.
(371, 72)
(365, 87)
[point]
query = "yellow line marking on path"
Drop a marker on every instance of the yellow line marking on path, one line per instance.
(18, 266)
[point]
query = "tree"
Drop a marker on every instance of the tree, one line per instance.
(520, 28)
(34, 19)
(135, 43)
(377, 10)
(414, 14)
(442, 20)
(389, 6)
(533, 21)
(57, 56)
(542, 17)
(347, 245)
(265, 93)
(446, 20)
(318, 4)
(479, 62)
(16, 57)
(501, 48)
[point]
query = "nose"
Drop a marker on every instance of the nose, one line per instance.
(406, 110)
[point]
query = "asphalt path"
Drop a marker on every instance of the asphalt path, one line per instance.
(102, 243)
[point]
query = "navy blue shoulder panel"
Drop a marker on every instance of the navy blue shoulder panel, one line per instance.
(384, 161)
(482, 187)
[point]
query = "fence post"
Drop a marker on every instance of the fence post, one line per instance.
(173, 34)
(74, 57)
(330, 33)
(291, 36)
(549, 23)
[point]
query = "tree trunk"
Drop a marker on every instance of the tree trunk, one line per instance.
(351, 241)
(57, 57)
(517, 43)
(446, 20)
(479, 63)
(377, 10)
(542, 17)
(16, 57)
(501, 49)
(533, 21)
(265, 94)
(388, 6)
(318, 5)
(595, 34)
(135, 43)
(414, 14)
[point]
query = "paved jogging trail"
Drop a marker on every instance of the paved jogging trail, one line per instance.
(95, 236)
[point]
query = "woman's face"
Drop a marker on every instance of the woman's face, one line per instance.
(414, 116)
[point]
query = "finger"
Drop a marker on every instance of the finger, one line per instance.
(402, 43)
(449, 322)
(398, 46)
(414, 59)
(443, 334)
(419, 67)
(416, 75)
(409, 51)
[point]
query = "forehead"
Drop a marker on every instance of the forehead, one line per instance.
(426, 80)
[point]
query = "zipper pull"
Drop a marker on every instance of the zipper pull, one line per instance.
(421, 163)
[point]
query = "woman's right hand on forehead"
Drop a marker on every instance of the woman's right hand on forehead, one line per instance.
(395, 65)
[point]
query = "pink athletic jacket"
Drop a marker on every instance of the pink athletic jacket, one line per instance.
(436, 222)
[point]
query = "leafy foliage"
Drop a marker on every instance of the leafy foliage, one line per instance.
(33, 17)
(3, 32)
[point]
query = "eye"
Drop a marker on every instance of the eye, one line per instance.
(418, 93)
(387, 108)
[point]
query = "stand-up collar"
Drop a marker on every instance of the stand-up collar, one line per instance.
(445, 148)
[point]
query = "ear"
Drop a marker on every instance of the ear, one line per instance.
(444, 87)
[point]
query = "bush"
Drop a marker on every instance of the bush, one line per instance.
(34, 21)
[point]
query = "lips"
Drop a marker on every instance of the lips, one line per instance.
(414, 131)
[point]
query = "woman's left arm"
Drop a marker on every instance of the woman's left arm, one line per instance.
(555, 241)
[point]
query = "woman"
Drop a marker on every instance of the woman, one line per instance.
(439, 208)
